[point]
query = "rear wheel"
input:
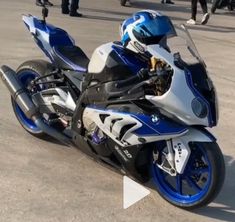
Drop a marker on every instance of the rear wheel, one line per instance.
(26, 73)
(201, 181)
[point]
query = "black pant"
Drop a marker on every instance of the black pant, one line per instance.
(194, 7)
(74, 5)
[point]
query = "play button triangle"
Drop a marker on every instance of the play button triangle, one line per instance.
(132, 192)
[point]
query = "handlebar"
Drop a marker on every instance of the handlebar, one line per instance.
(143, 74)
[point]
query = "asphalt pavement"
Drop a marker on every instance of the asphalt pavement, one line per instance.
(43, 181)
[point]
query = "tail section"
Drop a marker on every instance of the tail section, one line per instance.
(47, 36)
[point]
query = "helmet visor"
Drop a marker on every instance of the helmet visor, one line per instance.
(151, 31)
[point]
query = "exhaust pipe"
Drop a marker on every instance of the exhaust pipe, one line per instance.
(26, 104)
(17, 91)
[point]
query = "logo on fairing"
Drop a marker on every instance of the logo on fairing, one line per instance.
(127, 154)
(139, 47)
(120, 153)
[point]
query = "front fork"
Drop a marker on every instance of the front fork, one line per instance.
(168, 159)
(175, 155)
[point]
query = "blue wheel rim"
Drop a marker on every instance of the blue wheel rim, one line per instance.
(185, 188)
(25, 77)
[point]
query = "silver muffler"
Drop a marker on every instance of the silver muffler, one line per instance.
(26, 104)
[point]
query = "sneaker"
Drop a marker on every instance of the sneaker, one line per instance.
(75, 14)
(205, 18)
(191, 22)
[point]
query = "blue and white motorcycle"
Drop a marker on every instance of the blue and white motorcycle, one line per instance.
(142, 111)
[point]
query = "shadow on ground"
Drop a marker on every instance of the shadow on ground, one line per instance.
(158, 6)
(212, 28)
(103, 18)
(226, 211)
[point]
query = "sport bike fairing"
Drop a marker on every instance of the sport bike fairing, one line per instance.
(177, 101)
(128, 129)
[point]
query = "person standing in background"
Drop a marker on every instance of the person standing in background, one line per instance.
(45, 2)
(206, 15)
(70, 9)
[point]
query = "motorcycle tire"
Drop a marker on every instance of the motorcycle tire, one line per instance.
(200, 182)
(123, 2)
(26, 72)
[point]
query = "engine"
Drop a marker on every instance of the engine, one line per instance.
(93, 132)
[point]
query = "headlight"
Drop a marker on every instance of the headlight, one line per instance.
(199, 108)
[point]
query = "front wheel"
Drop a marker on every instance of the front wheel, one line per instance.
(201, 181)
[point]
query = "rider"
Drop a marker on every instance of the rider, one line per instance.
(146, 27)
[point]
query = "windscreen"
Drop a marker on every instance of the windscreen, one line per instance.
(183, 44)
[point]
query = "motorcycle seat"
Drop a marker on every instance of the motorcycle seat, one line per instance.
(70, 58)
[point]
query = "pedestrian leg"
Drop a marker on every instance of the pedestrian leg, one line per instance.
(65, 7)
(206, 15)
(74, 7)
(192, 21)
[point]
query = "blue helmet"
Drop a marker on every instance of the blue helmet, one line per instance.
(144, 28)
